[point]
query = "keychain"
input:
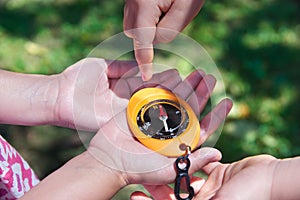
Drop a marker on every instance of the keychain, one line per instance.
(165, 123)
(182, 173)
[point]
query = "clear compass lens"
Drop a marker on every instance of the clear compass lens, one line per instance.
(162, 119)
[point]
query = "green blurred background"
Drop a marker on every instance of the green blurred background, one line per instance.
(255, 44)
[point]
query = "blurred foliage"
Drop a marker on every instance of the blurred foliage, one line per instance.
(255, 44)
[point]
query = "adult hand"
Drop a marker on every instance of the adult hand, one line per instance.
(93, 91)
(156, 21)
(84, 98)
(114, 158)
(115, 147)
(79, 97)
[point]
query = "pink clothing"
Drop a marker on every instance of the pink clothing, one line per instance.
(16, 176)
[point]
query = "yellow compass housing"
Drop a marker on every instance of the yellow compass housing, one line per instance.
(172, 147)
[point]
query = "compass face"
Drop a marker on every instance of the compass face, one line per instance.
(162, 119)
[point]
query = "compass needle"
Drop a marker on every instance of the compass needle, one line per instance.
(163, 117)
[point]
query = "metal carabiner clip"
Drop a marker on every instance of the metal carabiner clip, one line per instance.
(182, 165)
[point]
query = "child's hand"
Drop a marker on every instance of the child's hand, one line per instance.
(92, 91)
(159, 21)
(85, 97)
(250, 178)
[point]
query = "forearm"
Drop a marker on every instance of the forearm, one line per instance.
(286, 180)
(82, 178)
(27, 99)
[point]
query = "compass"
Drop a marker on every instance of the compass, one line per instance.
(162, 121)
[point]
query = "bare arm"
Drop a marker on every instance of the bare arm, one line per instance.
(26, 99)
(82, 178)
(286, 179)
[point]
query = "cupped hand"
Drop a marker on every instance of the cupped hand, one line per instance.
(159, 21)
(115, 147)
(92, 91)
(84, 98)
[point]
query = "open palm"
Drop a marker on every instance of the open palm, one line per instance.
(114, 146)
(93, 91)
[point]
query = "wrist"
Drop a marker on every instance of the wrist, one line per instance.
(102, 169)
(63, 107)
(273, 189)
(88, 163)
(45, 106)
(42, 99)
(83, 177)
(101, 180)
(26, 99)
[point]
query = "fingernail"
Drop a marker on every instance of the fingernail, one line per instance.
(146, 76)
(211, 80)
